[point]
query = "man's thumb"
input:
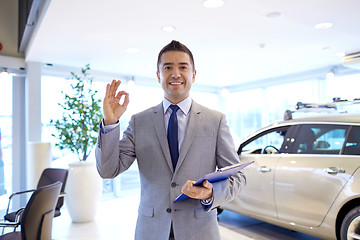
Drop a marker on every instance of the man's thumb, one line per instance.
(207, 184)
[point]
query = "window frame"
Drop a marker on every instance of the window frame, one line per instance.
(262, 133)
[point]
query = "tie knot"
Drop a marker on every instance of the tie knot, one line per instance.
(174, 108)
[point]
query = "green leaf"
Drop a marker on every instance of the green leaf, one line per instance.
(78, 127)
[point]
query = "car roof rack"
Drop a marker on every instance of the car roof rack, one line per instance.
(332, 107)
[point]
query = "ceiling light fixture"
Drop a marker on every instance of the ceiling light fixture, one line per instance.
(224, 92)
(324, 25)
(261, 45)
(340, 54)
(131, 81)
(4, 73)
(273, 15)
(331, 74)
(168, 28)
(326, 49)
(213, 3)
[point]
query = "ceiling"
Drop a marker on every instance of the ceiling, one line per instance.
(233, 44)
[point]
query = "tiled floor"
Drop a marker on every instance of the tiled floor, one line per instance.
(116, 219)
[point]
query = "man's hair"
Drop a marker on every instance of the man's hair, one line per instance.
(175, 46)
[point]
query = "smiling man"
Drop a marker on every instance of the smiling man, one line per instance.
(175, 143)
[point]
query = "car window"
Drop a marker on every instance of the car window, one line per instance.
(352, 145)
(319, 139)
(272, 138)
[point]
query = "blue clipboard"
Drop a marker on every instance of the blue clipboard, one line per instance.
(219, 175)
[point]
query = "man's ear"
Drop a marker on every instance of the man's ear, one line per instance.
(158, 76)
(193, 77)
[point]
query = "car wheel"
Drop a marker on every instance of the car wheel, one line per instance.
(350, 227)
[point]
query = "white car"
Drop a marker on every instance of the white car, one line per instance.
(305, 176)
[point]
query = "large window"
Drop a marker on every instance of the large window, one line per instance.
(141, 98)
(344, 87)
(5, 139)
(246, 111)
(253, 109)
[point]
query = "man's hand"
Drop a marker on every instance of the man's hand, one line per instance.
(203, 192)
(112, 107)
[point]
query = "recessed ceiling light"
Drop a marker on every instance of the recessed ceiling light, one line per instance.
(168, 28)
(261, 45)
(132, 50)
(288, 65)
(330, 75)
(273, 15)
(324, 25)
(4, 74)
(213, 3)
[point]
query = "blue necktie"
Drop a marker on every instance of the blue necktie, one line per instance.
(173, 135)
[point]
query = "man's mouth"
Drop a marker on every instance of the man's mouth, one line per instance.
(176, 83)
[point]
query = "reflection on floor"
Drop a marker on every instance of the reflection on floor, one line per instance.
(116, 219)
(255, 229)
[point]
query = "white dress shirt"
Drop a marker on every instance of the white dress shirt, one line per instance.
(182, 117)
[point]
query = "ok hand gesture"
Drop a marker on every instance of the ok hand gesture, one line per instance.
(112, 107)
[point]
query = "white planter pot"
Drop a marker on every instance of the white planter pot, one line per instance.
(83, 191)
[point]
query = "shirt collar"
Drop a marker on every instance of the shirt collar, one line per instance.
(183, 105)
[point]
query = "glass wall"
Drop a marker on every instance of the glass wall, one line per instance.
(246, 111)
(252, 109)
(344, 87)
(5, 139)
(256, 108)
(141, 98)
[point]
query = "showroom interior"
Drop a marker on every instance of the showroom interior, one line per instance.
(254, 60)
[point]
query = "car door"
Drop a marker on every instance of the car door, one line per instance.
(309, 178)
(257, 198)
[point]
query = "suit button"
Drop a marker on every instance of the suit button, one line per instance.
(168, 210)
(173, 184)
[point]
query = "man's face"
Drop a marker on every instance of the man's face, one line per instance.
(176, 75)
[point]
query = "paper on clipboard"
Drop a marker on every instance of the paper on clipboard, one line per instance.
(219, 175)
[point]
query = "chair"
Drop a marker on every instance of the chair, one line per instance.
(37, 217)
(48, 176)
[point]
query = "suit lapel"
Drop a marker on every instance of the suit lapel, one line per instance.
(159, 124)
(193, 125)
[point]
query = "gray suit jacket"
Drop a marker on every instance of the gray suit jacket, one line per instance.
(207, 145)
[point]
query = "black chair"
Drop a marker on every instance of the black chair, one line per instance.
(37, 217)
(48, 176)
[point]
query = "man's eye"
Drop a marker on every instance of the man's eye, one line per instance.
(167, 68)
(183, 67)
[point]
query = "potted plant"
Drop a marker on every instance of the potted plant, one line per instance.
(77, 132)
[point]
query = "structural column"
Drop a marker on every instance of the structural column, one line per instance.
(33, 101)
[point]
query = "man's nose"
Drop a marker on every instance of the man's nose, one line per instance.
(176, 73)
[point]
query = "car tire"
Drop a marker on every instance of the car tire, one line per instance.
(350, 227)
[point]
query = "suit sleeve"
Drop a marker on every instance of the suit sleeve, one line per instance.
(114, 156)
(226, 190)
